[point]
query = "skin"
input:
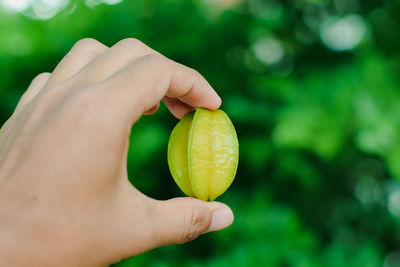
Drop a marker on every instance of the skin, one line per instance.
(65, 199)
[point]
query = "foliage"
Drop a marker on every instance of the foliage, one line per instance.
(312, 87)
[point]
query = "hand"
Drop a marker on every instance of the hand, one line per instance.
(65, 198)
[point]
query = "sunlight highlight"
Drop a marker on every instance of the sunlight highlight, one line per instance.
(340, 34)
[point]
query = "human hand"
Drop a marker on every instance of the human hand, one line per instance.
(65, 198)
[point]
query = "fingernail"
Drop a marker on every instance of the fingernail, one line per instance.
(221, 219)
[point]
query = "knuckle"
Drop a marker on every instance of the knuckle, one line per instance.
(131, 42)
(195, 77)
(86, 48)
(87, 44)
(194, 72)
(196, 224)
(42, 76)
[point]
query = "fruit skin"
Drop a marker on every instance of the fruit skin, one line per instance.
(177, 154)
(203, 153)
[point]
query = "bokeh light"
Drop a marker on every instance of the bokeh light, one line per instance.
(340, 34)
(15, 5)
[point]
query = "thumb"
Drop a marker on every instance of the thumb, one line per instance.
(181, 220)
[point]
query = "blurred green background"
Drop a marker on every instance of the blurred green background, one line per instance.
(313, 88)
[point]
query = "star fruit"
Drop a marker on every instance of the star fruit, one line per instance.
(203, 154)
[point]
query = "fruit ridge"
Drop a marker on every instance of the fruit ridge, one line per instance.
(203, 154)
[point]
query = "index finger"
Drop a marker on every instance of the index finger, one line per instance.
(146, 81)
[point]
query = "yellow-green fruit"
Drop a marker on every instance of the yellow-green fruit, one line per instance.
(203, 153)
